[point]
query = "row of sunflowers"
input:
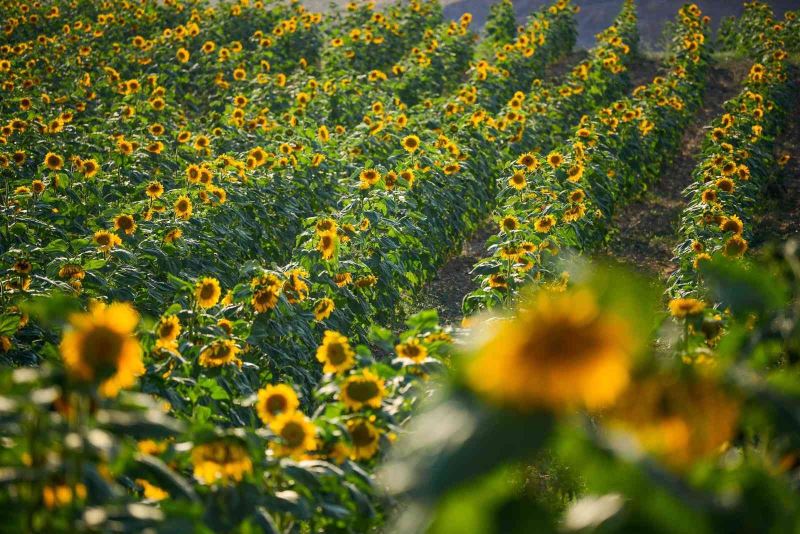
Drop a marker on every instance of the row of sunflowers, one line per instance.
(578, 408)
(228, 249)
(561, 200)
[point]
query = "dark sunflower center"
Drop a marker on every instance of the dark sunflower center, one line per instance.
(293, 434)
(361, 435)
(207, 291)
(362, 391)
(101, 348)
(276, 404)
(336, 353)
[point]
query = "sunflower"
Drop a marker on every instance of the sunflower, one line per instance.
(323, 308)
(218, 353)
(327, 245)
(296, 434)
(207, 292)
(365, 438)
(265, 298)
(323, 134)
(498, 281)
(182, 55)
(368, 178)
(168, 329)
(732, 224)
(725, 184)
(150, 491)
(222, 461)
(411, 143)
(154, 189)
(683, 307)
(343, 279)
(555, 159)
(335, 353)
(708, 196)
(677, 421)
(54, 162)
(509, 223)
(544, 224)
(365, 389)
(22, 267)
(100, 347)
(735, 247)
(173, 235)
(517, 181)
(561, 351)
(183, 207)
(412, 349)
(575, 173)
(125, 223)
(529, 161)
(71, 270)
(274, 401)
(105, 240)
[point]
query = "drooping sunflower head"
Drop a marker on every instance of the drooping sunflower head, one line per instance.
(327, 245)
(220, 352)
(732, 224)
(275, 400)
(335, 353)
(683, 307)
(323, 308)
(207, 292)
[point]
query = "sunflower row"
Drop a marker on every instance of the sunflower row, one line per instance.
(736, 163)
(564, 199)
(203, 187)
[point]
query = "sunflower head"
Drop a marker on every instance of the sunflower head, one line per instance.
(561, 351)
(335, 353)
(296, 435)
(362, 390)
(207, 292)
(100, 347)
(365, 438)
(275, 400)
(412, 350)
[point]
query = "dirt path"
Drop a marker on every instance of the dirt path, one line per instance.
(454, 280)
(646, 229)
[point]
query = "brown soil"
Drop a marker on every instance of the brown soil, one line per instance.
(455, 280)
(646, 229)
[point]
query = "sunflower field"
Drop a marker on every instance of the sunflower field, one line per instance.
(221, 223)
